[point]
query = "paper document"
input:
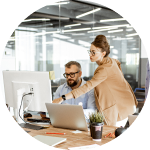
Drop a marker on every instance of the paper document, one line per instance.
(41, 142)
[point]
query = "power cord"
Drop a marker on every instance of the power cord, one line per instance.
(21, 105)
(25, 110)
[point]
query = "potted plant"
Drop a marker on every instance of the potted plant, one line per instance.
(96, 125)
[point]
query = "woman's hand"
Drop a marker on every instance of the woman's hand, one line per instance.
(58, 100)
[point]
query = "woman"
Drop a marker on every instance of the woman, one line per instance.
(113, 95)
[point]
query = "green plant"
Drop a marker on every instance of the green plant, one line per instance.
(96, 117)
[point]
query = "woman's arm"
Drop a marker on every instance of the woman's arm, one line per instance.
(119, 65)
(60, 100)
(99, 76)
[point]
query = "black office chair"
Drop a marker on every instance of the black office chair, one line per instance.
(130, 80)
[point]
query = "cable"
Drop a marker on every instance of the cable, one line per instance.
(21, 105)
(28, 104)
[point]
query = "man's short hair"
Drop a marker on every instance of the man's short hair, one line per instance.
(70, 63)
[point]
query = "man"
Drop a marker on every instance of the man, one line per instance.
(73, 76)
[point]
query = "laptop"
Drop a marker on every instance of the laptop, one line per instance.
(131, 118)
(67, 116)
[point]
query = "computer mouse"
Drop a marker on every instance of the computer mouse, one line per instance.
(27, 115)
(119, 131)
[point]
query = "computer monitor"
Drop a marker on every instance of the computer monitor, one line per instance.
(17, 83)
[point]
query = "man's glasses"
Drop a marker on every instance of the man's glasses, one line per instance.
(92, 52)
(72, 75)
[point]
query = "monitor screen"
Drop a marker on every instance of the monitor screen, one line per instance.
(38, 82)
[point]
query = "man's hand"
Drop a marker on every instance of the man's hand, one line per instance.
(58, 100)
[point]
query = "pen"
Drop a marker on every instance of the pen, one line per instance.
(107, 135)
(54, 133)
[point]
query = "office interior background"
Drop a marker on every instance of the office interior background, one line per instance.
(55, 34)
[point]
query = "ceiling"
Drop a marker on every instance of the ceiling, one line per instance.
(71, 10)
(65, 14)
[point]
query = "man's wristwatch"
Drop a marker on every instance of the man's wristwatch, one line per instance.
(63, 97)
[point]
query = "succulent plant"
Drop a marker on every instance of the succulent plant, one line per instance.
(96, 117)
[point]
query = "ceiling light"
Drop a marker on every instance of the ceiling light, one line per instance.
(108, 20)
(84, 22)
(134, 34)
(129, 38)
(111, 46)
(59, 3)
(84, 43)
(60, 36)
(123, 25)
(135, 48)
(108, 36)
(78, 34)
(87, 13)
(71, 25)
(115, 31)
(43, 19)
(102, 30)
(92, 37)
(72, 40)
(90, 22)
(36, 34)
(114, 56)
(132, 41)
(25, 28)
(119, 38)
(76, 30)
(115, 51)
(129, 29)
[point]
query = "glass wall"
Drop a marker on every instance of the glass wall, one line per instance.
(55, 34)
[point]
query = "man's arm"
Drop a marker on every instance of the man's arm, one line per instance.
(91, 106)
(57, 93)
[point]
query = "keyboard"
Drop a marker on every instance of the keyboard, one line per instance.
(30, 126)
(39, 120)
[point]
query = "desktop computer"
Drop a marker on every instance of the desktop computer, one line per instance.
(27, 90)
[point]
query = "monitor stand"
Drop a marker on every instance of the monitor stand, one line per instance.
(30, 126)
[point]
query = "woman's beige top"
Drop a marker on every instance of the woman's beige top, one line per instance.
(113, 94)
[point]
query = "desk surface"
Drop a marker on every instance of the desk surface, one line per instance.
(73, 139)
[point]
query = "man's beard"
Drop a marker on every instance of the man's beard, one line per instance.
(73, 83)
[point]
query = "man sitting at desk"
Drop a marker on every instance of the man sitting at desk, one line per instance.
(73, 76)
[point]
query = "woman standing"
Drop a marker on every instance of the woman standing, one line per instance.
(113, 95)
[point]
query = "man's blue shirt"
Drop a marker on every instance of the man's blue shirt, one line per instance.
(87, 99)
